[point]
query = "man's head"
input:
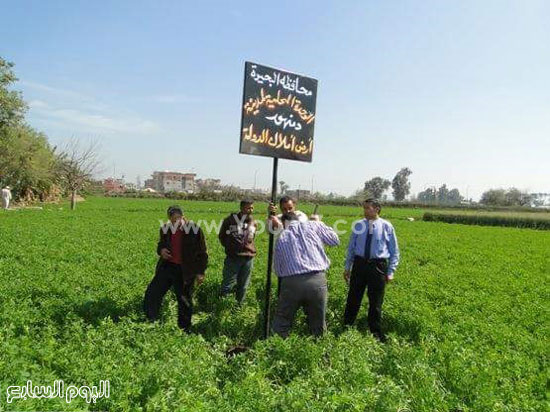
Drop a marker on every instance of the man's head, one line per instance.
(287, 204)
(175, 213)
(247, 206)
(289, 217)
(371, 208)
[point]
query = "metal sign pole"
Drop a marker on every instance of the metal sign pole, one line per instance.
(277, 121)
(267, 304)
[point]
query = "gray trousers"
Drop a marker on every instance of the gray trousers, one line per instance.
(308, 291)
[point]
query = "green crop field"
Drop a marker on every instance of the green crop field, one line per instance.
(540, 220)
(467, 316)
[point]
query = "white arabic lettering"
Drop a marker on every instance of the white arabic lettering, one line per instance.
(285, 81)
(89, 394)
(279, 119)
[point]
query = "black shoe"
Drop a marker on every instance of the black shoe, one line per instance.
(380, 336)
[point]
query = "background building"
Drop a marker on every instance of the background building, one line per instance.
(171, 182)
(211, 184)
(298, 193)
(113, 185)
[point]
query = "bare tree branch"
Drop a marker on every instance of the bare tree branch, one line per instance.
(76, 165)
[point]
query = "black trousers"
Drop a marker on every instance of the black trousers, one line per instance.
(170, 275)
(370, 275)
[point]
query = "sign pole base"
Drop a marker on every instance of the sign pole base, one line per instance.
(267, 304)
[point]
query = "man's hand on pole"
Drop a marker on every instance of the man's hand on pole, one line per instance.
(272, 209)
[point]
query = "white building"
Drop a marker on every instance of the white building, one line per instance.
(171, 181)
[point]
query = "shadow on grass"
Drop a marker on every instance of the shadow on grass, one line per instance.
(94, 311)
(217, 316)
(225, 317)
(214, 316)
(405, 329)
(398, 325)
(409, 330)
(60, 309)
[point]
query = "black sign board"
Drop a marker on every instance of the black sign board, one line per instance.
(278, 113)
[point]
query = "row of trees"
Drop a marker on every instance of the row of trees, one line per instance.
(28, 163)
(506, 197)
(441, 196)
(378, 186)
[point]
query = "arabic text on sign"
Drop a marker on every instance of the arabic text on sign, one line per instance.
(285, 81)
(280, 119)
(253, 105)
(278, 140)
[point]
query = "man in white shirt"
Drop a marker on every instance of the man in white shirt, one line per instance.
(6, 197)
(301, 263)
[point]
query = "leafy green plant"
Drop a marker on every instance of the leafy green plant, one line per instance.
(467, 319)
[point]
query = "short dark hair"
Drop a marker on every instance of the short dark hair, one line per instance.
(289, 217)
(285, 199)
(245, 202)
(374, 202)
(174, 209)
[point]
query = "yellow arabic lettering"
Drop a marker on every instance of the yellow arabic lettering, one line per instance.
(248, 132)
(277, 140)
(253, 105)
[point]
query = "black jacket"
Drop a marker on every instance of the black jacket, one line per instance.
(237, 237)
(194, 254)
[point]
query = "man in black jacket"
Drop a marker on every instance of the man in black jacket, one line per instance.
(183, 260)
(237, 237)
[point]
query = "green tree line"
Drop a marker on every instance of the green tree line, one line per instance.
(506, 197)
(28, 163)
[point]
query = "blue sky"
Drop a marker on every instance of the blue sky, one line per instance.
(458, 91)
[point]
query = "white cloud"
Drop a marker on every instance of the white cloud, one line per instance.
(38, 104)
(84, 113)
(53, 90)
(96, 122)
